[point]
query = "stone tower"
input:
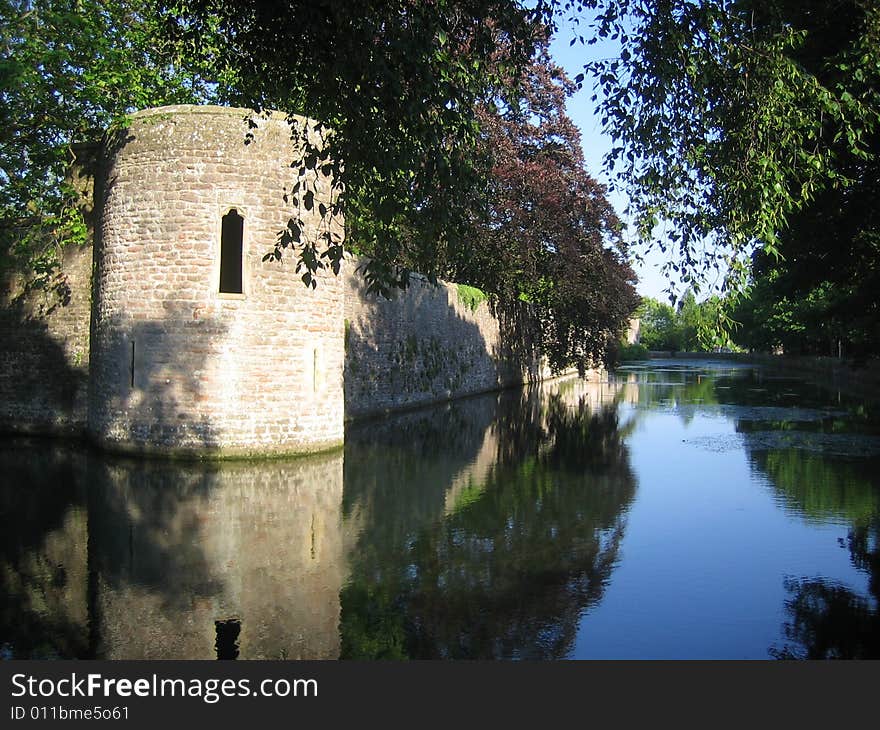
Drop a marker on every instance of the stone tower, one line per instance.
(198, 345)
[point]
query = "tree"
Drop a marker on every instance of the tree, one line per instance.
(545, 231)
(693, 326)
(659, 330)
(731, 116)
(690, 320)
(68, 70)
(821, 297)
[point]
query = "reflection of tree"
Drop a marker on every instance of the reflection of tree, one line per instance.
(576, 439)
(509, 571)
(397, 470)
(751, 387)
(828, 621)
(822, 488)
(43, 611)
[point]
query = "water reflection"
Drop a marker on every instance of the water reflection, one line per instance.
(820, 456)
(571, 519)
(162, 560)
(826, 620)
(822, 466)
(504, 546)
(120, 558)
(43, 566)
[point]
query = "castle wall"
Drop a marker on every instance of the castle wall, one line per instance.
(176, 365)
(427, 345)
(44, 330)
(172, 365)
(45, 354)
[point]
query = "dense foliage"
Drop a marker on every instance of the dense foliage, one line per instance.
(730, 116)
(544, 231)
(743, 124)
(68, 70)
(692, 326)
(821, 298)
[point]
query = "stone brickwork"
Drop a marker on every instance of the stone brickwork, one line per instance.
(172, 365)
(44, 330)
(428, 345)
(177, 365)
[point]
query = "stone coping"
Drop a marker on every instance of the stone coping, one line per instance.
(212, 109)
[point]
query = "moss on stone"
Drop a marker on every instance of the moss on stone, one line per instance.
(470, 296)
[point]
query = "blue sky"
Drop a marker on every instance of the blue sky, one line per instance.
(596, 144)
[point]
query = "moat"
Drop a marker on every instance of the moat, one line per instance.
(680, 509)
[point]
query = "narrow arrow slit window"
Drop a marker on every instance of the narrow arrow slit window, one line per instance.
(231, 238)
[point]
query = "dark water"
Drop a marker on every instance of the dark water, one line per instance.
(679, 510)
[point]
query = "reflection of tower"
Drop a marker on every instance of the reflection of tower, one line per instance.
(198, 561)
(197, 341)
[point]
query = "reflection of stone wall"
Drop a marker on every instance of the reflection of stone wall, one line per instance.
(595, 392)
(490, 536)
(408, 470)
(182, 547)
(43, 553)
(398, 469)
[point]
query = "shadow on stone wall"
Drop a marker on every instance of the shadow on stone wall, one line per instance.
(146, 381)
(148, 389)
(44, 358)
(518, 350)
(424, 347)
